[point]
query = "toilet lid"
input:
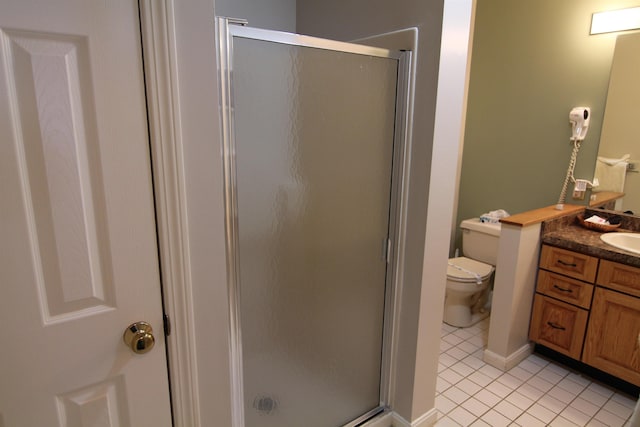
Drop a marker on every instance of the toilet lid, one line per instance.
(466, 268)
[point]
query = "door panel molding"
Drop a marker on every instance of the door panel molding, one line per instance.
(58, 161)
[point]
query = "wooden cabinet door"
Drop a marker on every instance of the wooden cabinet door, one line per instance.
(558, 325)
(613, 337)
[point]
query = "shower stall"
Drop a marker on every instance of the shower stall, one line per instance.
(314, 153)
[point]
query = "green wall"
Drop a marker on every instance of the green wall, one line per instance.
(531, 63)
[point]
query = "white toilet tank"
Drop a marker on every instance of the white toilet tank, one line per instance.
(480, 240)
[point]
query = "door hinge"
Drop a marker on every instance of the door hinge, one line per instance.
(166, 323)
(386, 250)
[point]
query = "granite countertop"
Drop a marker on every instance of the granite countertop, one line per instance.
(579, 239)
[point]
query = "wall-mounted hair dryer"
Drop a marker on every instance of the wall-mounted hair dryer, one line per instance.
(579, 118)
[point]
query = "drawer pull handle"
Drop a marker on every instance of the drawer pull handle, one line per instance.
(567, 264)
(562, 289)
(554, 326)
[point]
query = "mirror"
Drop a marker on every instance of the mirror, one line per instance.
(620, 133)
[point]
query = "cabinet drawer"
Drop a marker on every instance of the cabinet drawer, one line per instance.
(620, 277)
(613, 338)
(578, 266)
(558, 325)
(566, 289)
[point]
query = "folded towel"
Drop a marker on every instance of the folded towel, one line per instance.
(611, 173)
(494, 217)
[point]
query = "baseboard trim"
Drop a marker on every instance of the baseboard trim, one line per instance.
(506, 363)
(427, 419)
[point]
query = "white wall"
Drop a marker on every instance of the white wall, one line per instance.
(270, 14)
(200, 147)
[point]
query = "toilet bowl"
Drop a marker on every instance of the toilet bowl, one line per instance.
(468, 284)
(469, 276)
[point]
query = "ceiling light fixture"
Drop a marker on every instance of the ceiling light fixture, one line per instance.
(615, 20)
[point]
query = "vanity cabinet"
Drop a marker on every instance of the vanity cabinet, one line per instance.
(589, 309)
(613, 335)
(563, 299)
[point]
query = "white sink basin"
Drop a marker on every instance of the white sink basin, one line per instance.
(626, 241)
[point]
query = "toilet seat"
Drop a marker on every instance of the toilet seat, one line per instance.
(468, 266)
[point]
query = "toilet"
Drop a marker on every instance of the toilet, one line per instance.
(469, 276)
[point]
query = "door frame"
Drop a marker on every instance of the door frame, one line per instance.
(157, 26)
(226, 28)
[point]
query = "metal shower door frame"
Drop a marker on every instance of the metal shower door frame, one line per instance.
(226, 30)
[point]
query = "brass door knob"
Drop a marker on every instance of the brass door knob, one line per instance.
(139, 337)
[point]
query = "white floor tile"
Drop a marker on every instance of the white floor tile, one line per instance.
(575, 416)
(480, 378)
(455, 394)
(451, 376)
(474, 362)
(446, 422)
(529, 391)
(442, 384)
(468, 347)
(457, 353)
(476, 407)
(495, 419)
(499, 389)
(561, 394)
(549, 375)
(601, 389)
(571, 386)
(464, 333)
(488, 398)
(462, 416)
(462, 369)
(528, 420)
(510, 381)
(478, 341)
(562, 422)
(579, 378)
(537, 392)
(530, 366)
(519, 400)
(452, 339)
(585, 406)
(609, 419)
(509, 410)
(491, 372)
(444, 404)
(618, 409)
(541, 384)
(563, 372)
(624, 400)
(537, 360)
(592, 397)
(447, 360)
(444, 346)
(520, 373)
(469, 386)
(541, 413)
(552, 403)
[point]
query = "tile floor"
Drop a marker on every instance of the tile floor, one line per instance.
(537, 392)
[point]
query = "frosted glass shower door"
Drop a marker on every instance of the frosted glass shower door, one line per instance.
(311, 158)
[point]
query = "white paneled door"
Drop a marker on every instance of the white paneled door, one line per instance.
(78, 260)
